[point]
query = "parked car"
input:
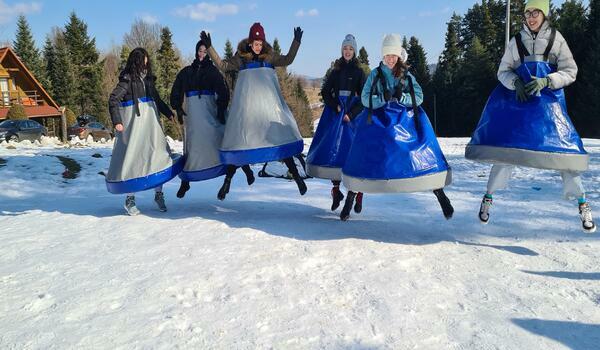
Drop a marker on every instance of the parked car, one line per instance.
(22, 129)
(87, 125)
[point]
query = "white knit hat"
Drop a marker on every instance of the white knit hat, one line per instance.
(392, 45)
(350, 41)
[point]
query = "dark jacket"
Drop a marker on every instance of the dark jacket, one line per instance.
(128, 89)
(200, 75)
(344, 76)
(244, 55)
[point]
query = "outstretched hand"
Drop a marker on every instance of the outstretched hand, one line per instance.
(298, 34)
(205, 37)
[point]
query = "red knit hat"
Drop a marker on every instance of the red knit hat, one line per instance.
(256, 33)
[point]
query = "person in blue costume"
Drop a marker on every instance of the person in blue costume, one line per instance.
(341, 94)
(200, 96)
(525, 122)
(141, 158)
(260, 126)
(394, 148)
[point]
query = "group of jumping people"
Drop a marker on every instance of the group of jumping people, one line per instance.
(373, 136)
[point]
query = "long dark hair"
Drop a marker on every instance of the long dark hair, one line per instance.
(135, 66)
(400, 68)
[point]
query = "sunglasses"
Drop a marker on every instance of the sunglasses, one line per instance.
(534, 13)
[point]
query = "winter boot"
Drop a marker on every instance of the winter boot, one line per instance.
(249, 174)
(585, 213)
(358, 204)
(185, 186)
(224, 189)
(345, 214)
(159, 198)
(484, 210)
(300, 182)
(132, 210)
(444, 201)
(337, 197)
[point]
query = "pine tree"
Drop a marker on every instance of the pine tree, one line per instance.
(405, 43)
(25, 48)
(123, 56)
(49, 62)
(276, 47)
(229, 49)
(417, 59)
(589, 97)
(61, 71)
(168, 66)
(363, 56)
(231, 76)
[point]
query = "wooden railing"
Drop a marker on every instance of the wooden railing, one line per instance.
(25, 98)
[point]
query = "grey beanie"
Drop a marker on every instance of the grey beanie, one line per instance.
(351, 41)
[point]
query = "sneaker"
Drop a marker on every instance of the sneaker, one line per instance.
(301, 185)
(345, 214)
(337, 196)
(159, 198)
(484, 210)
(224, 189)
(585, 213)
(358, 204)
(185, 186)
(132, 210)
(444, 201)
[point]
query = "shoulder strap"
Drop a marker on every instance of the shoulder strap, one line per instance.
(521, 47)
(378, 77)
(413, 98)
(550, 44)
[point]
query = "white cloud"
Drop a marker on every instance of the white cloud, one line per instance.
(8, 12)
(310, 13)
(148, 18)
(253, 6)
(205, 11)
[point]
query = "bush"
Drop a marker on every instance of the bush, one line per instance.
(17, 111)
(71, 118)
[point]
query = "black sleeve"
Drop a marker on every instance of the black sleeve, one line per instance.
(221, 88)
(114, 101)
(357, 106)
(327, 91)
(176, 98)
(163, 108)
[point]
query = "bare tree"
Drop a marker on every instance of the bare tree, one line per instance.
(143, 34)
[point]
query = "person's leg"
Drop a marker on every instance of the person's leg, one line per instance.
(336, 195)
(573, 188)
(499, 176)
(444, 201)
(159, 198)
(249, 174)
(130, 206)
(291, 165)
(183, 188)
(345, 214)
(231, 169)
(358, 204)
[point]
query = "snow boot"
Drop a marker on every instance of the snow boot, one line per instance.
(159, 198)
(249, 174)
(185, 186)
(484, 209)
(224, 189)
(337, 197)
(345, 214)
(132, 210)
(300, 182)
(358, 204)
(444, 201)
(585, 213)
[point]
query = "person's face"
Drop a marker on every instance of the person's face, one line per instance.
(201, 52)
(145, 61)
(390, 60)
(257, 46)
(348, 52)
(534, 19)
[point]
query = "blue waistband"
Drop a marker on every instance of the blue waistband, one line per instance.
(141, 99)
(200, 92)
(256, 64)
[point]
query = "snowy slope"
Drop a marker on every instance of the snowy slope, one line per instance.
(268, 268)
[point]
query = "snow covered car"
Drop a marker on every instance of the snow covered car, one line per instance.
(19, 130)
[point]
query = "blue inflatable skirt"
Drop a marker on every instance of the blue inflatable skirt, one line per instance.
(537, 133)
(395, 153)
(331, 143)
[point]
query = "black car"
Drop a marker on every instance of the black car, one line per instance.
(19, 130)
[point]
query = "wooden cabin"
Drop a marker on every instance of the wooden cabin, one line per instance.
(19, 86)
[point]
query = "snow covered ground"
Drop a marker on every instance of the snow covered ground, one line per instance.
(269, 269)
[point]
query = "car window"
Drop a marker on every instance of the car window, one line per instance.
(7, 124)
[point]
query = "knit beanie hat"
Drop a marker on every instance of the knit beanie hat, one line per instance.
(392, 45)
(349, 40)
(543, 5)
(256, 33)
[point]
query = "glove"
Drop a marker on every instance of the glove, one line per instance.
(206, 38)
(520, 90)
(180, 114)
(298, 34)
(536, 85)
(221, 116)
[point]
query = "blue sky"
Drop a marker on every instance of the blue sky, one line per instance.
(324, 23)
